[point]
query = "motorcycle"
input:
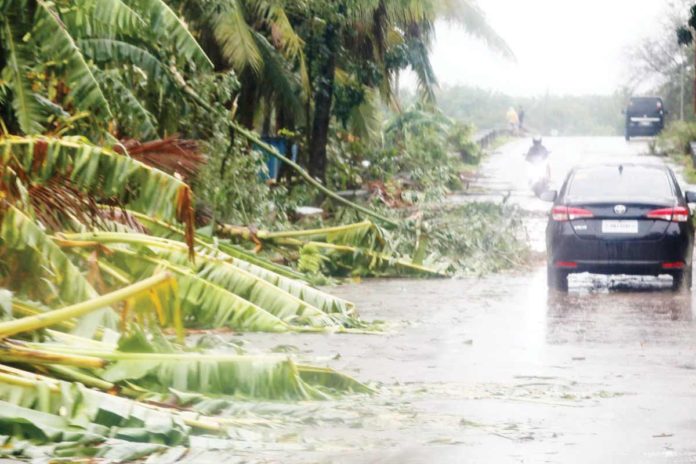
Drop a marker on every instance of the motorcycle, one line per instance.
(538, 174)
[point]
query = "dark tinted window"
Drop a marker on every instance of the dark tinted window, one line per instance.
(644, 105)
(609, 183)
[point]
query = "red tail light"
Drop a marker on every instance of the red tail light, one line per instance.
(675, 265)
(568, 213)
(567, 264)
(678, 214)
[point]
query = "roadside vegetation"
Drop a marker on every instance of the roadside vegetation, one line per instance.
(137, 207)
(665, 65)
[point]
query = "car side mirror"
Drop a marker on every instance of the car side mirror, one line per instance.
(551, 195)
(690, 197)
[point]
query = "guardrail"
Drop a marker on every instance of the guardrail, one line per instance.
(487, 138)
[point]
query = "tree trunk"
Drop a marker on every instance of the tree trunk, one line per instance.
(267, 114)
(323, 99)
(248, 99)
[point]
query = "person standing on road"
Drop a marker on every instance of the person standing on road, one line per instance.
(520, 116)
(513, 120)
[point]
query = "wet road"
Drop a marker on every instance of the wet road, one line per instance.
(497, 370)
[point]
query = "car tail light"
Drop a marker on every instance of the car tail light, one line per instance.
(678, 214)
(567, 264)
(675, 265)
(568, 213)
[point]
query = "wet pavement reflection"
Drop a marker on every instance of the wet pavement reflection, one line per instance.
(500, 370)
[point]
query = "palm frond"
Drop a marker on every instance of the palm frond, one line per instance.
(283, 33)
(284, 85)
(236, 38)
(171, 155)
(467, 14)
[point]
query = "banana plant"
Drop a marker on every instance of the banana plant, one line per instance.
(57, 54)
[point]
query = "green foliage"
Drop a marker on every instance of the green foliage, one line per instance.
(475, 238)
(100, 172)
(29, 252)
(64, 61)
(418, 148)
(461, 139)
(675, 139)
(231, 184)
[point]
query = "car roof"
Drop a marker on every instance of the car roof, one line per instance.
(630, 162)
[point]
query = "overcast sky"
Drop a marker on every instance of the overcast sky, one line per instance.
(562, 46)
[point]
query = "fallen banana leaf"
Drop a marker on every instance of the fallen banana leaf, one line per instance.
(362, 239)
(272, 377)
(166, 230)
(290, 281)
(20, 235)
(230, 274)
(102, 172)
(47, 319)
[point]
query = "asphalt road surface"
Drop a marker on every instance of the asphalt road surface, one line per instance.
(496, 369)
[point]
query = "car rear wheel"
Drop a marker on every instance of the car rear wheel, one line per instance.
(683, 280)
(557, 279)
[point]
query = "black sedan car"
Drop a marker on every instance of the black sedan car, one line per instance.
(615, 218)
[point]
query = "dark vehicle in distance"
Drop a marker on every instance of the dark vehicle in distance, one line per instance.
(620, 218)
(645, 116)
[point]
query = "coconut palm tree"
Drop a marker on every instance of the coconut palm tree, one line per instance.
(256, 39)
(384, 35)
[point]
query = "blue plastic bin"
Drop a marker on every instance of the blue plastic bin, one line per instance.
(272, 163)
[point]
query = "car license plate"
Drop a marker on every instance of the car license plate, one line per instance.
(619, 227)
(645, 123)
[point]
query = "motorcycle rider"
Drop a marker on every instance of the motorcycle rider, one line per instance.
(537, 152)
(539, 170)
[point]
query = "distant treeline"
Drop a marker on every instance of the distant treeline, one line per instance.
(564, 115)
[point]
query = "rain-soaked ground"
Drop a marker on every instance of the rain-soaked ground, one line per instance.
(496, 369)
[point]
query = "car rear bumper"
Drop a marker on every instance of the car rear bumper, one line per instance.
(618, 267)
(667, 255)
(650, 128)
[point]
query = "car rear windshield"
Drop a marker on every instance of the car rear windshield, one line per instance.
(625, 183)
(644, 105)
